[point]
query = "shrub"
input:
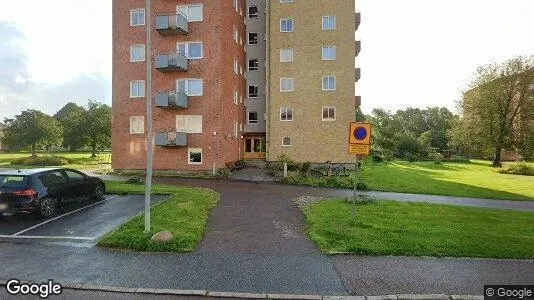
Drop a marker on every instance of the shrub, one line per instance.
(435, 156)
(41, 161)
(224, 172)
(518, 169)
(291, 165)
(362, 186)
(409, 156)
(377, 157)
(134, 180)
(305, 168)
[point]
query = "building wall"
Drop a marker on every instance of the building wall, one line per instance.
(312, 139)
(215, 68)
(257, 51)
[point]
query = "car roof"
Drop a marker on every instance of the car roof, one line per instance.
(28, 172)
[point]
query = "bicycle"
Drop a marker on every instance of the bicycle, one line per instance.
(332, 170)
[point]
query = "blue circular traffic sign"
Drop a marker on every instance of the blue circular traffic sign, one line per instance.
(360, 133)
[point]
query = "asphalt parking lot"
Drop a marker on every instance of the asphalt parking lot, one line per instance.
(81, 223)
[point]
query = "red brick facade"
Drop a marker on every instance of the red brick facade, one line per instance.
(215, 68)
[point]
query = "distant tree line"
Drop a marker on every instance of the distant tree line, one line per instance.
(73, 127)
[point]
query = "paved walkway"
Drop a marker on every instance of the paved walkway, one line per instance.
(253, 175)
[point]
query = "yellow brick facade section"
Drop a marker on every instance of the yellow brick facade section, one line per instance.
(312, 138)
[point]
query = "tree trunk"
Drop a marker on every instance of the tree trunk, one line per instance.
(497, 157)
(33, 150)
(93, 146)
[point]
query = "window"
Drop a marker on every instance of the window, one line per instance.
(286, 84)
(236, 66)
(192, 50)
(53, 178)
(236, 129)
(137, 89)
(286, 25)
(286, 141)
(253, 117)
(236, 97)
(252, 12)
(74, 176)
(253, 64)
(8, 181)
(236, 34)
(329, 22)
(192, 87)
(286, 55)
(137, 53)
(137, 17)
(240, 70)
(252, 38)
(253, 91)
(193, 13)
(286, 1)
(329, 83)
(286, 114)
(241, 99)
(195, 156)
(329, 52)
(329, 113)
(236, 5)
(189, 124)
(137, 124)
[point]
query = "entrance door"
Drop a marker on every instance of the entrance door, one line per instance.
(254, 148)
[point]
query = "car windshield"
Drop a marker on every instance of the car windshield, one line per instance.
(13, 181)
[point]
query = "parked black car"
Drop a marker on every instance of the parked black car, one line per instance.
(43, 191)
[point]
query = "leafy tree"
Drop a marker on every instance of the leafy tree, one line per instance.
(499, 104)
(359, 116)
(71, 118)
(97, 124)
(32, 129)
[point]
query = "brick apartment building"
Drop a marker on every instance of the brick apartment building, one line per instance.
(232, 80)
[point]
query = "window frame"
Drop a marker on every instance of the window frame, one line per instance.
(135, 10)
(132, 47)
(257, 91)
(188, 119)
(286, 110)
(187, 49)
(290, 141)
(137, 122)
(292, 55)
(292, 84)
(187, 16)
(328, 119)
(132, 90)
(257, 38)
(257, 12)
(286, 20)
(335, 83)
(329, 28)
(323, 48)
(249, 120)
(186, 89)
(257, 61)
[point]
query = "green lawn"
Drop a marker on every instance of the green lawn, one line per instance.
(184, 214)
(473, 179)
(79, 160)
(419, 229)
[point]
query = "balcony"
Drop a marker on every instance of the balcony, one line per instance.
(171, 139)
(357, 101)
(358, 47)
(169, 25)
(358, 18)
(176, 62)
(358, 74)
(172, 99)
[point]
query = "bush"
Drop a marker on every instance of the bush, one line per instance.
(41, 161)
(362, 186)
(409, 157)
(435, 156)
(134, 180)
(377, 157)
(305, 168)
(291, 165)
(518, 169)
(224, 172)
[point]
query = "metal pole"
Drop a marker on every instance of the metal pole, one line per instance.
(355, 186)
(150, 144)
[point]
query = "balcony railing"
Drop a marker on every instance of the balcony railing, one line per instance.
(358, 47)
(176, 62)
(358, 18)
(171, 139)
(358, 74)
(357, 101)
(175, 24)
(172, 99)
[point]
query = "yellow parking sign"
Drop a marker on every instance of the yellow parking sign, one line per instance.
(359, 149)
(360, 133)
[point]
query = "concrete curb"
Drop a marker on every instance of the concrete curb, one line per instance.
(208, 294)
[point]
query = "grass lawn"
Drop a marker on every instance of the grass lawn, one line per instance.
(79, 160)
(475, 179)
(419, 229)
(184, 214)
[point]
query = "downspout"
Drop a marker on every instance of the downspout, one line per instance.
(267, 79)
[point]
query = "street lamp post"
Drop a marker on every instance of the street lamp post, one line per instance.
(150, 143)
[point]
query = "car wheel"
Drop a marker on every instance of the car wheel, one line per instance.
(99, 191)
(47, 207)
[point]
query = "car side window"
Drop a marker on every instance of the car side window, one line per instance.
(53, 178)
(74, 176)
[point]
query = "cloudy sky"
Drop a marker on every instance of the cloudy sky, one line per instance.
(415, 53)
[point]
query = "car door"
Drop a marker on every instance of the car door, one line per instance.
(78, 182)
(56, 186)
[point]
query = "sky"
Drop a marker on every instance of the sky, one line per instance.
(415, 53)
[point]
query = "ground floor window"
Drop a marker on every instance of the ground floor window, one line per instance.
(195, 156)
(286, 141)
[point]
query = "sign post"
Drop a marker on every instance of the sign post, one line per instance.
(359, 144)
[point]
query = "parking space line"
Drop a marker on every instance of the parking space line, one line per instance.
(78, 238)
(61, 216)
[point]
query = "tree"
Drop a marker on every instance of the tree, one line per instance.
(31, 128)
(359, 116)
(71, 120)
(97, 123)
(500, 103)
